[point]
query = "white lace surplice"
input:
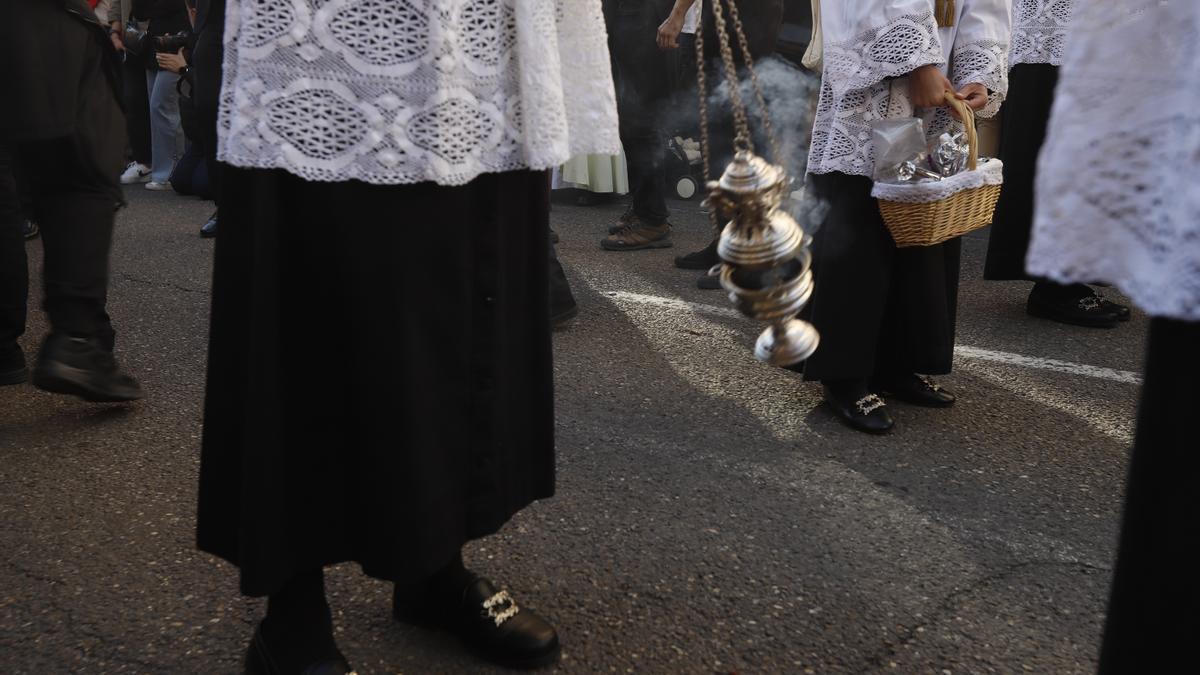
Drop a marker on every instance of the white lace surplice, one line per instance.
(1039, 31)
(1118, 198)
(405, 91)
(869, 42)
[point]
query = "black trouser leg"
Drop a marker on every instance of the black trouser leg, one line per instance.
(75, 191)
(641, 74)
(14, 272)
(137, 107)
(1022, 131)
(1152, 618)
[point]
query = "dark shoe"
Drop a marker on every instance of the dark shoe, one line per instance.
(703, 259)
(626, 219)
(209, 229)
(859, 408)
(1075, 304)
(12, 366)
(638, 236)
(260, 661)
(709, 282)
(489, 622)
(918, 390)
(1115, 308)
(553, 236)
(561, 317)
(30, 229)
(82, 367)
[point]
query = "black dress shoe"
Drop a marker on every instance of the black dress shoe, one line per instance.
(917, 390)
(703, 259)
(1117, 309)
(1076, 304)
(82, 367)
(209, 229)
(488, 621)
(260, 661)
(862, 411)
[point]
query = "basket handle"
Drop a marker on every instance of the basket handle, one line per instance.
(968, 119)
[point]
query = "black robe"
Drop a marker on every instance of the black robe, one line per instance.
(379, 376)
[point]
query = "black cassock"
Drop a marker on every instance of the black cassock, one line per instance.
(379, 376)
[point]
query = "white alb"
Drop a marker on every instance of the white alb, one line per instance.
(1039, 31)
(405, 91)
(1118, 198)
(870, 45)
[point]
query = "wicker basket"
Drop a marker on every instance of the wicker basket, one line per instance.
(933, 222)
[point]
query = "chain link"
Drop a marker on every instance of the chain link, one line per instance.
(768, 129)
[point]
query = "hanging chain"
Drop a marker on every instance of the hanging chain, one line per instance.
(743, 140)
(702, 86)
(768, 129)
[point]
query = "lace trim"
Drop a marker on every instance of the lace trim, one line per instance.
(898, 47)
(404, 91)
(1039, 31)
(985, 62)
(1116, 197)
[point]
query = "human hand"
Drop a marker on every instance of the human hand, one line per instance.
(118, 44)
(974, 95)
(171, 62)
(668, 32)
(927, 87)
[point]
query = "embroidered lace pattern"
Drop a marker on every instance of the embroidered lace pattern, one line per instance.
(1039, 30)
(1117, 197)
(856, 89)
(404, 91)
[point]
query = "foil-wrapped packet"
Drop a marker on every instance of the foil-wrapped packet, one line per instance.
(899, 143)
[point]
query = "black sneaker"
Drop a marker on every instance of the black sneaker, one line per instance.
(703, 259)
(12, 365)
(1074, 304)
(82, 367)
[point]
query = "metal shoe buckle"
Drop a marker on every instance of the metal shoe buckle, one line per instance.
(499, 608)
(869, 404)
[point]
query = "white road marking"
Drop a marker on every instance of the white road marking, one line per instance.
(960, 351)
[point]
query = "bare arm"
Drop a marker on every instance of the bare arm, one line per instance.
(668, 32)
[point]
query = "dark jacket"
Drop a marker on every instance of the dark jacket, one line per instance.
(43, 44)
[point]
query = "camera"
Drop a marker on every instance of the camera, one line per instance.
(171, 43)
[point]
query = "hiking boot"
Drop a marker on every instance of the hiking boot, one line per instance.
(626, 219)
(638, 236)
(82, 367)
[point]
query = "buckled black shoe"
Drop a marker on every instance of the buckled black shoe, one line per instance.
(1076, 304)
(490, 623)
(260, 661)
(862, 411)
(703, 259)
(917, 390)
(82, 367)
(1115, 308)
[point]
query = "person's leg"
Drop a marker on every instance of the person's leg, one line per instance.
(1151, 611)
(14, 276)
(297, 633)
(75, 192)
(853, 255)
(642, 87)
(137, 108)
(165, 132)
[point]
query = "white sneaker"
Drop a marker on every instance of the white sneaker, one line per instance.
(155, 185)
(136, 172)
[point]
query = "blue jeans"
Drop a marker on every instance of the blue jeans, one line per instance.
(166, 134)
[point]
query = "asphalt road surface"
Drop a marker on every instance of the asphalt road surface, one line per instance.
(711, 515)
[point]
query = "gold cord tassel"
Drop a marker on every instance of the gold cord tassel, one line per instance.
(945, 13)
